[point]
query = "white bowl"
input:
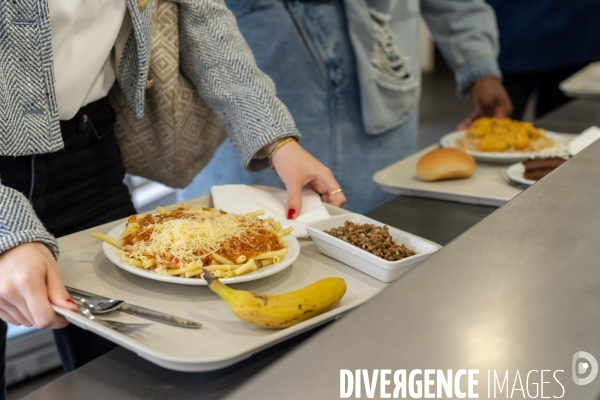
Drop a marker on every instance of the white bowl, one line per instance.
(385, 271)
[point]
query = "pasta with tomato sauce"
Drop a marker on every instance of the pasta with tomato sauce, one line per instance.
(190, 241)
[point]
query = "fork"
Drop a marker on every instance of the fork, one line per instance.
(117, 326)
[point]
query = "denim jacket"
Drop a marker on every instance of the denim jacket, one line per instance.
(383, 35)
(214, 56)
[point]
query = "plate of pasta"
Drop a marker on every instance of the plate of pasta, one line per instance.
(181, 245)
(503, 140)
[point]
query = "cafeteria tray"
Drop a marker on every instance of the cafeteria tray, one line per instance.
(223, 339)
(584, 84)
(488, 185)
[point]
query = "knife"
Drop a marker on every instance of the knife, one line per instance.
(139, 311)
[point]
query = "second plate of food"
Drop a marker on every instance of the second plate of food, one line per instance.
(503, 140)
(112, 253)
(453, 140)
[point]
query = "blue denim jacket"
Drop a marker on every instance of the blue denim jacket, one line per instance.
(214, 56)
(387, 53)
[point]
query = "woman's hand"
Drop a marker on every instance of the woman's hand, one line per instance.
(491, 100)
(29, 284)
(298, 168)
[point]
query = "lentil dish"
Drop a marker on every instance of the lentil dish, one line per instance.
(372, 238)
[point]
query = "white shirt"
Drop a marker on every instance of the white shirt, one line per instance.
(83, 36)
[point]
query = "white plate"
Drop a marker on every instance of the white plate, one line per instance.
(111, 253)
(378, 268)
(450, 139)
(515, 173)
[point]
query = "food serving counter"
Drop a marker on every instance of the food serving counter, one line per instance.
(517, 291)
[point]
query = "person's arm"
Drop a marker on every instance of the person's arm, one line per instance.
(216, 58)
(29, 277)
(467, 35)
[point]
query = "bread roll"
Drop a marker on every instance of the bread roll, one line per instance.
(445, 164)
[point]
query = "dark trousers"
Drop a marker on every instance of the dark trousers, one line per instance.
(2, 360)
(520, 87)
(73, 189)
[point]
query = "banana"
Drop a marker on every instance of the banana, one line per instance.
(280, 310)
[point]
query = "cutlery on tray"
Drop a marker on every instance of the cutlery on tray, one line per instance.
(98, 304)
(121, 327)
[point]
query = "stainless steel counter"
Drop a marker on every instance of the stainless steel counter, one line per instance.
(519, 291)
(574, 117)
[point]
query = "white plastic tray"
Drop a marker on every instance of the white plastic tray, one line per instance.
(487, 186)
(224, 339)
(584, 83)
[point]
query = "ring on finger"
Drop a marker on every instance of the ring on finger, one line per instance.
(340, 190)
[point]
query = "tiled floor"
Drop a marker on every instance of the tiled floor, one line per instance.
(440, 113)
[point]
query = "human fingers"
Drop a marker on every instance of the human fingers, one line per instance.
(297, 168)
(23, 272)
(338, 200)
(486, 94)
(57, 293)
(467, 122)
(16, 317)
(294, 197)
(329, 189)
(13, 283)
(504, 108)
(491, 98)
(37, 302)
(8, 318)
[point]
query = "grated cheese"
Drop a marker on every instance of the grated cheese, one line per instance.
(184, 236)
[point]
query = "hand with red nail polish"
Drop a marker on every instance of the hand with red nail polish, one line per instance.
(291, 213)
(29, 284)
(297, 169)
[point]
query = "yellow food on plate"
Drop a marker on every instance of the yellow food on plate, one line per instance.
(440, 164)
(276, 311)
(184, 241)
(504, 135)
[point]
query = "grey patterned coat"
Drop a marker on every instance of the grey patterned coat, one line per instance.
(213, 55)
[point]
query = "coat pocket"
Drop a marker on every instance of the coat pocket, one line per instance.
(390, 68)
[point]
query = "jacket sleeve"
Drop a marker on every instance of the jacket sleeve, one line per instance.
(467, 35)
(216, 58)
(19, 224)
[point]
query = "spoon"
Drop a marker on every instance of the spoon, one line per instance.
(101, 306)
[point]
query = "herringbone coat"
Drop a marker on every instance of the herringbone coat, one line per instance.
(214, 56)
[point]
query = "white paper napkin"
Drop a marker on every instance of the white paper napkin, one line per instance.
(584, 139)
(241, 199)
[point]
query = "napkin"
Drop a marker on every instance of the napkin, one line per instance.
(241, 199)
(584, 139)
